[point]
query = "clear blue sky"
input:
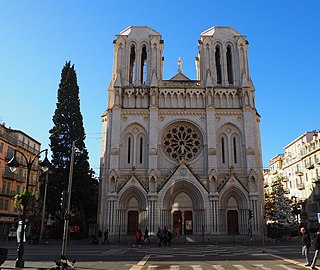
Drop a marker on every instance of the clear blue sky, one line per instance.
(38, 37)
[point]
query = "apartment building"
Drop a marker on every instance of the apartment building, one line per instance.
(14, 183)
(299, 169)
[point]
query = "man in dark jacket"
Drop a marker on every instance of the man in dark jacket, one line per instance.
(306, 244)
(317, 248)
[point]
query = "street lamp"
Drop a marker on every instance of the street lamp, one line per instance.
(44, 204)
(13, 165)
(74, 151)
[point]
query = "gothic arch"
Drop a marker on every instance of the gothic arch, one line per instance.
(253, 178)
(134, 146)
(218, 59)
(133, 192)
(229, 52)
(132, 61)
(183, 186)
(237, 193)
(229, 145)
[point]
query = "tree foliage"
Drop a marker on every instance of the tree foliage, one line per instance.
(278, 206)
(22, 199)
(68, 127)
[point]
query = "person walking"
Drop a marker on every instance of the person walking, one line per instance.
(317, 248)
(306, 244)
(146, 235)
(99, 237)
(138, 237)
(105, 236)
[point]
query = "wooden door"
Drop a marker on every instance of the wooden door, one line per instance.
(232, 217)
(188, 222)
(133, 222)
(177, 222)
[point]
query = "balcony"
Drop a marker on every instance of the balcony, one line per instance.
(285, 179)
(10, 193)
(309, 165)
(286, 191)
(301, 186)
(316, 180)
(299, 173)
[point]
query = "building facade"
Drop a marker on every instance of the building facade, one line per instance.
(299, 169)
(14, 183)
(181, 153)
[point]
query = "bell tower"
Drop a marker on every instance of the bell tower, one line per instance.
(138, 60)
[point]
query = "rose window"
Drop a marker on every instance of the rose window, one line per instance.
(182, 140)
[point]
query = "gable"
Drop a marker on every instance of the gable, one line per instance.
(180, 77)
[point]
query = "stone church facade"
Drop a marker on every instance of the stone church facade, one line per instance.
(181, 153)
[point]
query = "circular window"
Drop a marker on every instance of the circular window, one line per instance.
(182, 140)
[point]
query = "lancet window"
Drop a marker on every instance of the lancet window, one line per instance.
(229, 65)
(143, 65)
(132, 67)
(218, 64)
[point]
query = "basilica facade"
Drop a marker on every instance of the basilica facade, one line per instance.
(181, 153)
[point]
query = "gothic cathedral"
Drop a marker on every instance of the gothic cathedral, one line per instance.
(181, 153)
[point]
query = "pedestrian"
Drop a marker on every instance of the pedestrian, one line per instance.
(165, 236)
(140, 236)
(306, 244)
(146, 235)
(137, 237)
(45, 236)
(169, 237)
(317, 248)
(99, 237)
(105, 236)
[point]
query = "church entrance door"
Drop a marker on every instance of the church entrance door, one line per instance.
(188, 222)
(177, 222)
(133, 222)
(233, 227)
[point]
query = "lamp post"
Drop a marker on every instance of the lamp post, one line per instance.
(44, 204)
(74, 151)
(13, 165)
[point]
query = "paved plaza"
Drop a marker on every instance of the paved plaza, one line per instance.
(281, 255)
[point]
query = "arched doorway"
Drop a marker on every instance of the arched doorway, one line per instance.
(233, 226)
(182, 214)
(183, 207)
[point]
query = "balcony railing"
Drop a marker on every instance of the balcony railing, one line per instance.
(299, 173)
(8, 192)
(316, 179)
(286, 191)
(310, 165)
(301, 186)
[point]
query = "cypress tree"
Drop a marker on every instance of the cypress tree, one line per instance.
(68, 127)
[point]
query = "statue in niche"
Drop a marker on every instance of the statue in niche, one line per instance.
(213, 184)
(252, 184)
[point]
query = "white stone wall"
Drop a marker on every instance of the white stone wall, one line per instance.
(220, 184)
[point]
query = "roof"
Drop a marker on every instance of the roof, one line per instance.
(133, 29)
(219, 29)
